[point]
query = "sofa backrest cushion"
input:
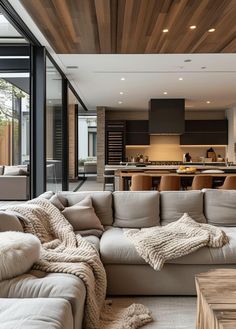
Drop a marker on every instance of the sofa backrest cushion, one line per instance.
(102, 203)
(175, 203)
(220, 207)
(9, 222)
(136, 209)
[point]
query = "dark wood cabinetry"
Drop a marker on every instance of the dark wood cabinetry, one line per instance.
(137, 132)
(205, 132)
(115, 142)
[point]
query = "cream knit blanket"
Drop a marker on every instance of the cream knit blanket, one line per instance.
(65, 252)
(158, 244)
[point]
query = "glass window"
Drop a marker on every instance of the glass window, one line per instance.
(53, 128)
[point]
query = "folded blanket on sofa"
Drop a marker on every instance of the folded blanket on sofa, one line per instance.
(158, 244)
(63, 251)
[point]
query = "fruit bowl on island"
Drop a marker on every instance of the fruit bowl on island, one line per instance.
(186, 170)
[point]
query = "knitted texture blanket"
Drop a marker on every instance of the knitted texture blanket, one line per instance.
(158, 244)
(65, 252)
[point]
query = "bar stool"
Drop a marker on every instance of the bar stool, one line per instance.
(169, 183)
(109, 179)
(229, 183)
(200, 182)
(141, 183)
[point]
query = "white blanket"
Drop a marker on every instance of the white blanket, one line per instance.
(158, 244)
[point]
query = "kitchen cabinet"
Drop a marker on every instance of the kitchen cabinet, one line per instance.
(205, 132)
(137, 132)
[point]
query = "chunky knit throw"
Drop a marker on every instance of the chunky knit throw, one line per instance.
(158, 244)
(65, 252)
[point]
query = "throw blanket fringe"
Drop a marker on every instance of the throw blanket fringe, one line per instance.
(158, 244)
(134, 316)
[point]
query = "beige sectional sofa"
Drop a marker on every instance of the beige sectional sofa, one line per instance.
(127, 272)
(14, 183)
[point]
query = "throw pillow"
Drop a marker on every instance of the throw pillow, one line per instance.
(59, 201)
(82, 216)
(18, 252)
(14, 171)
(9, 222)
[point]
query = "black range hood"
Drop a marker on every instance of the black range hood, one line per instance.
(166, 116)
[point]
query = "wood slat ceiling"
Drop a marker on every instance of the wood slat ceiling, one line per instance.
(135, 26)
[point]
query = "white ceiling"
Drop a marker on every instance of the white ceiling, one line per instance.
(208, 77)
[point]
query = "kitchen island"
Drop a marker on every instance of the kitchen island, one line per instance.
(124, 173)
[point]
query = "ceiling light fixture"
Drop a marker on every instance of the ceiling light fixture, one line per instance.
(192, 27)
(121, 92)
(122, 79)
(180, 79)
(165, 30)
(208, 102)
(203, 67)
(165, 93)
(211, 30)
(187, 60)
(119, 102)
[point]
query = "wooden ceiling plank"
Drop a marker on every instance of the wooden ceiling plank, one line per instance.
(193, 15)
(114, 32)
(157, 30)
(208, 21)
(141, 27)
(129, 7)
(103, 12)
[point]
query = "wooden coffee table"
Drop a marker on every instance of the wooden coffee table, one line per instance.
(216, 304)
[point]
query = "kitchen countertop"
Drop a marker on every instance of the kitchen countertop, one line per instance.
(168, 167)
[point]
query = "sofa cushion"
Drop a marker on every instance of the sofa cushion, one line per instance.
(174, 204)
(59, 201)
(38, 284)
(38, 313)
(9, 222)
(82, 215)
(136, 209)
(102, 203)
(94, 240)
(115, 248)
(220, 207)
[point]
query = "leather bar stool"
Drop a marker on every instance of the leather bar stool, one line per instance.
(200, 182)
(169, 183)
(141, 183)
(229, 183)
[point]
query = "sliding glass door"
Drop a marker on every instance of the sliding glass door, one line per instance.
(53, 128)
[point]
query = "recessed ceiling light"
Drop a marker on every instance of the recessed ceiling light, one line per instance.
(122, 79)
(180, 79)
(165, 93)
(208, 102)
(211, 30)
(203, 67)
(121, 92)
(165, 30)
(119, 102)
(188, 60)
(192, 27)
